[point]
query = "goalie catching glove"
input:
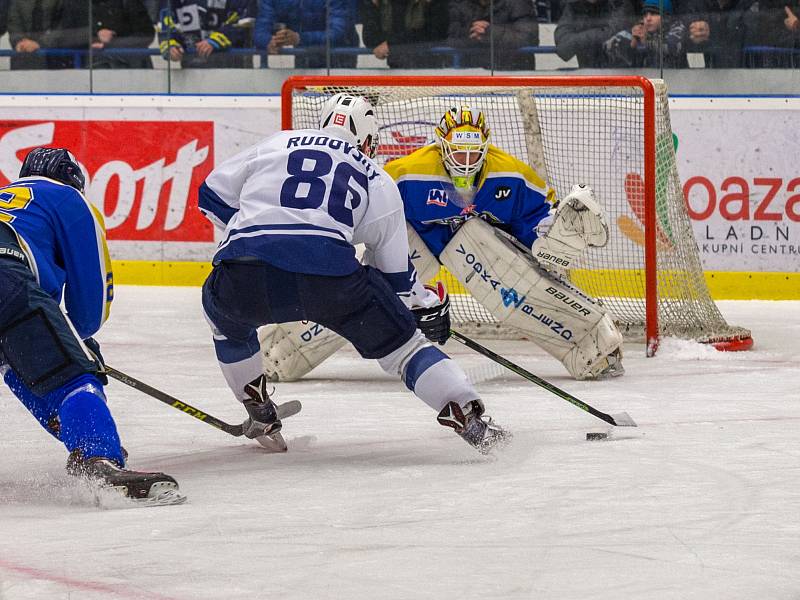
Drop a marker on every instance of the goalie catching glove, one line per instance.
(434, 321)
(577, 222)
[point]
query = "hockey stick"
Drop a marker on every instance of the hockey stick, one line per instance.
(234, 430)
(619, 420)
(285, 410)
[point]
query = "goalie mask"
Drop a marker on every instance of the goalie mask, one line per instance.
(351, 118)
(464, 142)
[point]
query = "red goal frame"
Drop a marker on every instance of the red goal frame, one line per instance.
(649, 142)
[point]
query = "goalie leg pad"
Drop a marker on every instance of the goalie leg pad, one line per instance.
(291, 350)
(562, 320)
(423, 259)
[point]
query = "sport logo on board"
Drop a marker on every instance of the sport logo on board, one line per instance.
(143, 175)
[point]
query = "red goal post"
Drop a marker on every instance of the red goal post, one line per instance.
(611, 132)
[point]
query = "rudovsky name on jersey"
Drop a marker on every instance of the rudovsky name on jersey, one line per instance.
(334, 144)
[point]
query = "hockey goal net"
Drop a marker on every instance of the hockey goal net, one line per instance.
(613, 133)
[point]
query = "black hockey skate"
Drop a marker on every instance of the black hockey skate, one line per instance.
(263, 424)
(469, 423)
(150, 489)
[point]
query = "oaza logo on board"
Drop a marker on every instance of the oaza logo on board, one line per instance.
(735, 209)
(143, 175)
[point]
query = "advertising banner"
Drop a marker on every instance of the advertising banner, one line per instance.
(143, 175)
(145, 157)
(741, 179)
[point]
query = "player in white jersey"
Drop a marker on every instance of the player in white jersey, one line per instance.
(292, 209)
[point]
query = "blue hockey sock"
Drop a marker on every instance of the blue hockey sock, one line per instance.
(86, 422)
(44, 409)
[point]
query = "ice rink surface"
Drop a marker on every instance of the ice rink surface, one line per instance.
(375, 500)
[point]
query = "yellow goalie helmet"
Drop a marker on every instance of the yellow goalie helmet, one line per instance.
(463, 140)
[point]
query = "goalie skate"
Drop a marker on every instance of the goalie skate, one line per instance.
(611, 365)
(146, 489)
(468, 422)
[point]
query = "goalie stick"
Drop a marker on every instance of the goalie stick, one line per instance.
(287, 409)
(619, 420)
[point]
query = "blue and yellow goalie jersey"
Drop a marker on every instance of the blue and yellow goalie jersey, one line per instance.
(509, 194)
(64, 236)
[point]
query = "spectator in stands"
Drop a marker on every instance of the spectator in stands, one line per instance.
(645, 45)
(721, 28)
(306, 25)
(779, 27)
(115, 24)
(586, 25)
(200, 33)
(32, 25)
(404, 31)
(512, 25)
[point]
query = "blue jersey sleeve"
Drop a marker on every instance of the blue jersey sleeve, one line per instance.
(265, 21)
(338, 22)
(89, 283)
(531, 207)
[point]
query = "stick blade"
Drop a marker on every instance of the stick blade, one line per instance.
(623, 419)
(273, 442)
(289, 409)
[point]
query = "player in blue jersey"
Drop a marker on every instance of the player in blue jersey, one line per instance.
(292, 209)
(53, 248)
(463, 175)
(200, 33)
(493, 222)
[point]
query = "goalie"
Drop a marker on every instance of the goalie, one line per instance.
(497, 227)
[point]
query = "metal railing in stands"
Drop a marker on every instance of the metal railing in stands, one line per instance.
(80, 56)
(771, 56)
(754, 56)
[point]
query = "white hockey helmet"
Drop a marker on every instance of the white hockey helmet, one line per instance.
(351, 118)
(464, 141)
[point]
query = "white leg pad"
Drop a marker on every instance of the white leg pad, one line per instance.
(290, 350)
(510, 284)
(423, 260)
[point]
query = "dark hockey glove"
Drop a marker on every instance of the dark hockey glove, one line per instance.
(434, 321)
(94, 349)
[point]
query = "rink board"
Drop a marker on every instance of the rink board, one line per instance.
(724, 285)
(145, 157)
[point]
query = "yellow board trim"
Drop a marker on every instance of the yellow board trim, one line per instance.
(145, 272)
(723, 285)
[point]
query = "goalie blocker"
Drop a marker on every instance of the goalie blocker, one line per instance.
(518, 292)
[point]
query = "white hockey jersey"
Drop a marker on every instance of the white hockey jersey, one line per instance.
(300, 200)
